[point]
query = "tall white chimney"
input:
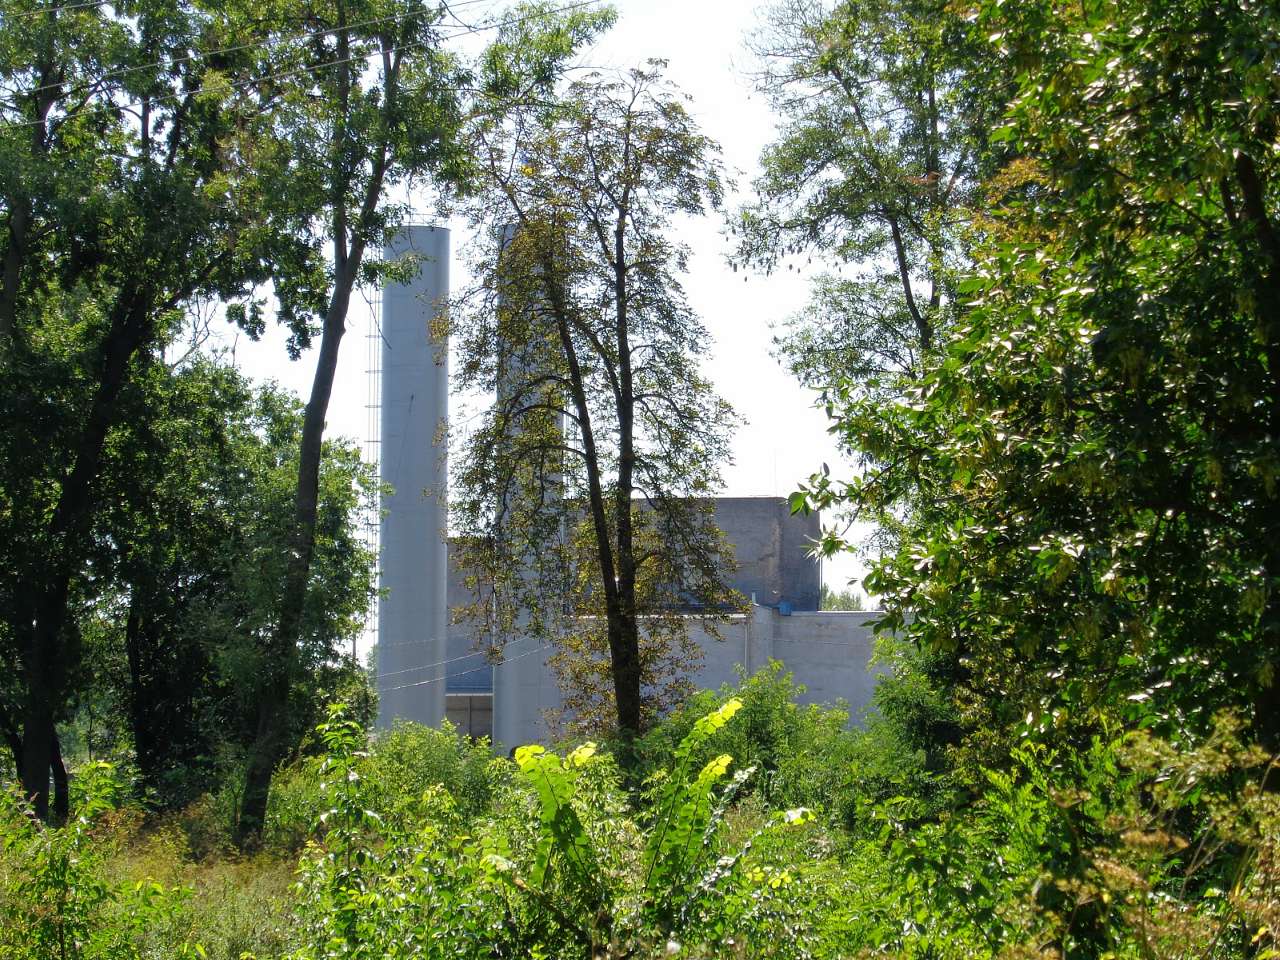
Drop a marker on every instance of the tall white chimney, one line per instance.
(413, 616)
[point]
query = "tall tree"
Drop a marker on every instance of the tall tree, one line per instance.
(350, 134)
(873, 170)
(580, 330)
(118, 211)
(1098, 534)
(353, 135)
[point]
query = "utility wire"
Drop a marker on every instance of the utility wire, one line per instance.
(250, 81)
(438, 663)
(60, 9)
(423, 683)
(478, 653)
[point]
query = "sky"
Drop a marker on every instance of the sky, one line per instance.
(784, 436)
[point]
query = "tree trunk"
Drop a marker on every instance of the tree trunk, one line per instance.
(624, 642)
(1262, 244)
(47, 656)
(37, 753)
(274, 708)
(145, 719)
(61, 792)
(11, 272)
(273, 701)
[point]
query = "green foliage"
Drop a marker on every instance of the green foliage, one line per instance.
(57, 899)
(1091, 461)
(1082, 433)
(558, 869)
(1083, 855)
(119, 214)
(406, 769)
(337, 877)
(903, 755)
(682, 813)
(677, 882)
(200, 487)
(562, 832)
(841, 600)
(800, 754)
(874, 168)
(1136, 848)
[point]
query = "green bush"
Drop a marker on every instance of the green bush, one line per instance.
(400, 769)
(373, 887)
(901, 754)
(558, 868)
(809, 755)
(800, 754)
(1083, 855)
(58, 900)
(1135, 849)
(409, 759)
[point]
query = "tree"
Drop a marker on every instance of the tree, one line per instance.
(842, 600)
(873, 170)
(884, 109)
(188, 550)
(602, 423)
(119, 211)
(365, 134)
(350, 135)
(1096, 451)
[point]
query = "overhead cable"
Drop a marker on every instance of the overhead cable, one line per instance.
(423, 683)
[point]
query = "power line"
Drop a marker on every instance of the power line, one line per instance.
(63, 7)
(423, 683)
(438, 663)
(240, 84)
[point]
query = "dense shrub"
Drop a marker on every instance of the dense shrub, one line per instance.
(1135, 849)
(561, 868)
(901, 754)
(404, 765)
(800, 754)
(812, 756)
(58, 899)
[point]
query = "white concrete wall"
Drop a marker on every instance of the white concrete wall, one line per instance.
(413, 616)
(829, 652)
(524, 688)
(772, 547)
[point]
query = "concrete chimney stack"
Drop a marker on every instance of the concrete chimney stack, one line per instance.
(413, 616)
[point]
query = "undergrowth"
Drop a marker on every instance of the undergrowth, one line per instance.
(421, 844)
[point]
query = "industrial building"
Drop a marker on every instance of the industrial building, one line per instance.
(427, 666)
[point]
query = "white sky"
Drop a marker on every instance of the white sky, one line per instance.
(784, 438)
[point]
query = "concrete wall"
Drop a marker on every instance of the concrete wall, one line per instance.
(771, 546)
(413, 616)
(467, 670)
(828, 652)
